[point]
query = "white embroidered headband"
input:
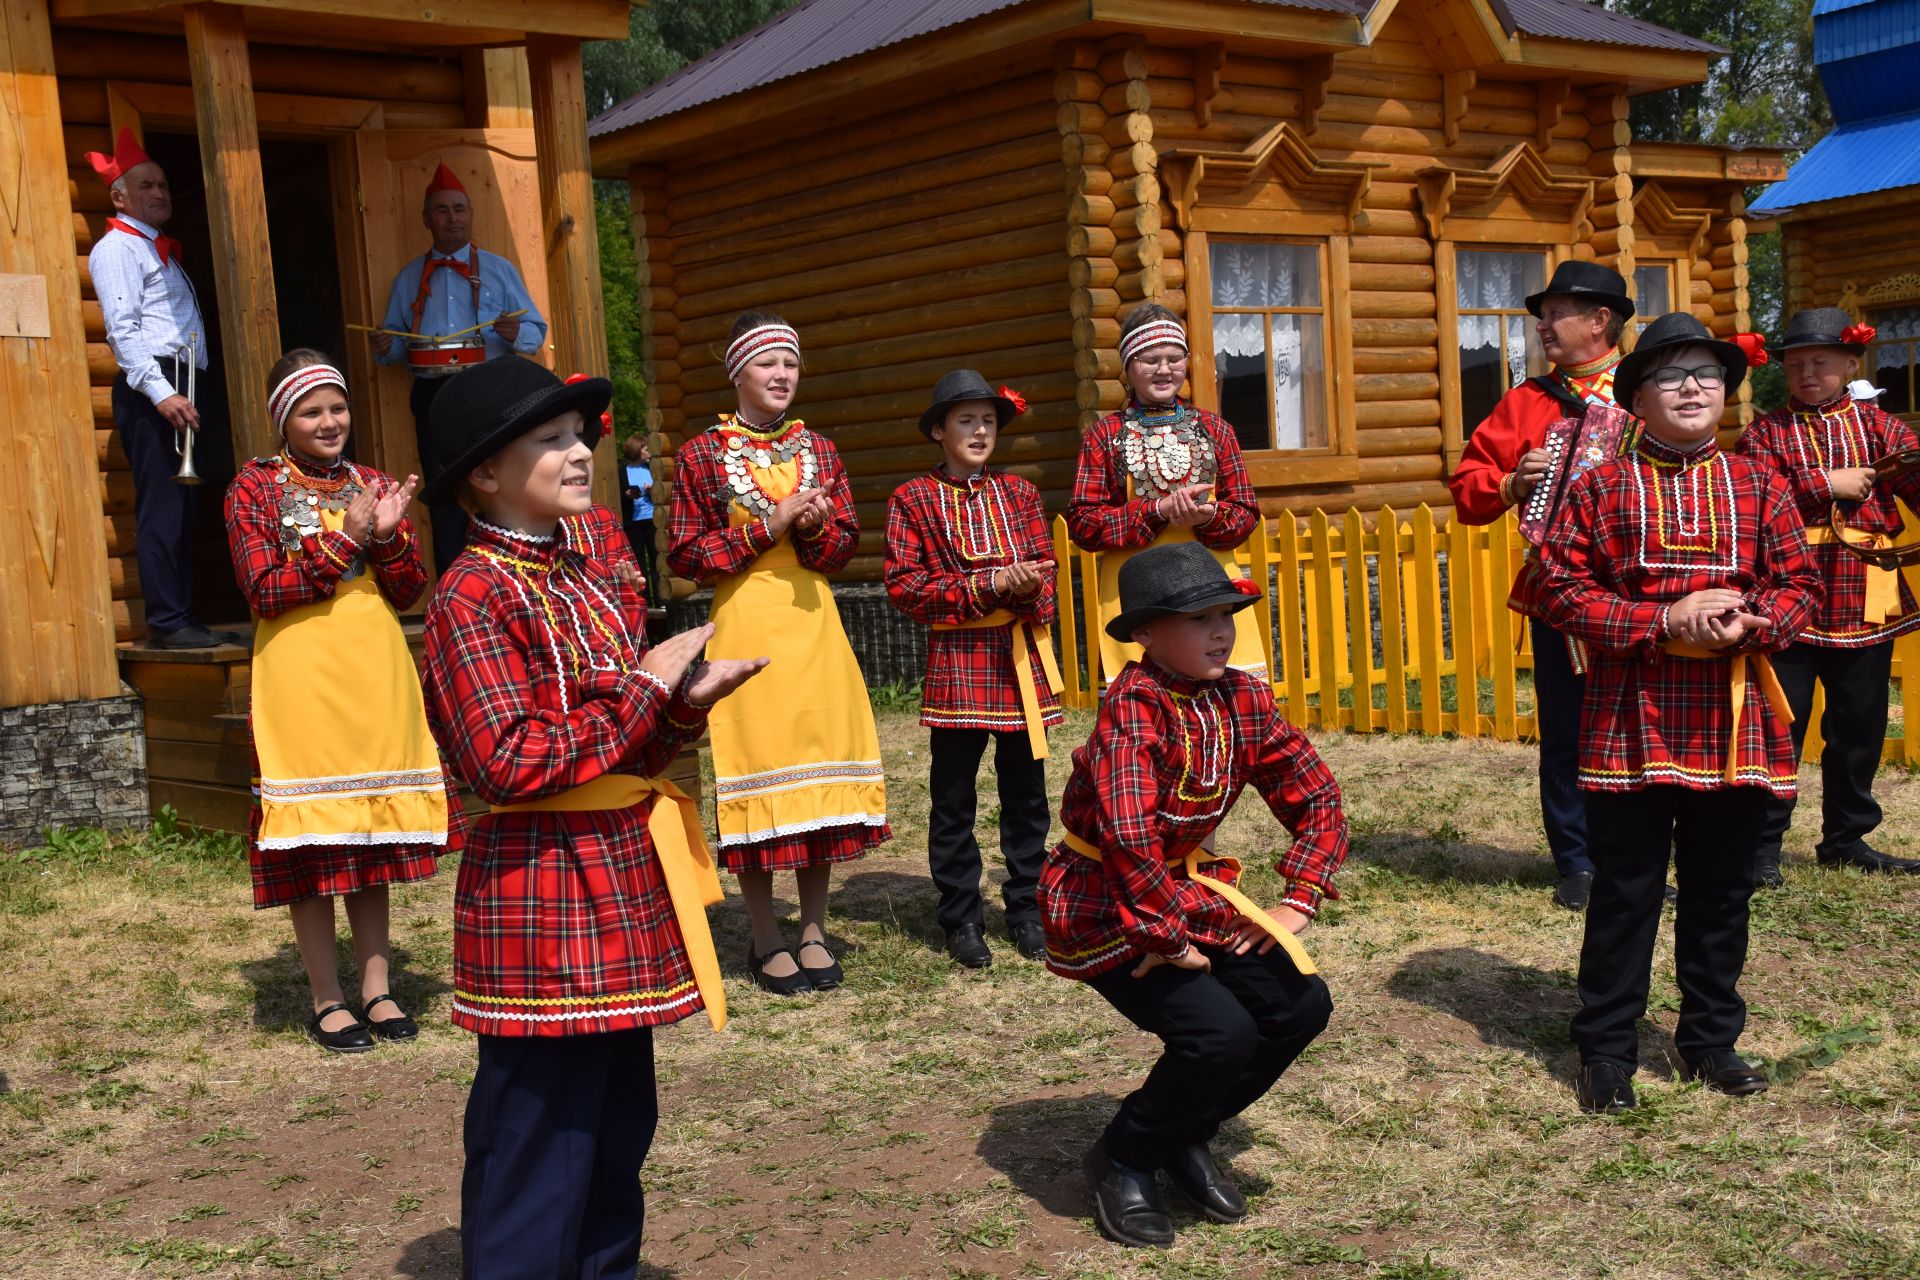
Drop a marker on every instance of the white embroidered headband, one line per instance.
(1152, 334)
(758, 341)
(296, 384)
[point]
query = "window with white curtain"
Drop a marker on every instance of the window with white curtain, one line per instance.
(1498, 348)
(1893, 357)
(1652, 293)
(1270, 342)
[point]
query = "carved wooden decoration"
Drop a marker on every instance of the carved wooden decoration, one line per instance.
(1901, 288)
(1455, 88)
(1209, 64)
(1219, 177)
(1554, 93)
(1315, 73)
(1656, 214)
(1517, 197)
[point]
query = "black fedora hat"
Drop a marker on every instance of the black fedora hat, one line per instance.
(1663, 337)
(1589, 282)
(959, 386)
(483, 409)
(1181, 577)
(1819, 327)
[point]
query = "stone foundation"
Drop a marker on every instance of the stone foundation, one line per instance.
(72, 764)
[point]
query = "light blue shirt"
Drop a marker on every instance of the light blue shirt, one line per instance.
(450, 308)
(638, 477)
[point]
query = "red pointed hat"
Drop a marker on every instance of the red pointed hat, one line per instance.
(444, 180)
(127, 154)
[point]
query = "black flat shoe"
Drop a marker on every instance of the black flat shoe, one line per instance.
(1766, 870)
(1727, 1072)
(794, 984)
(1871, 860)
(352, 1038)
(400, 1028)
(1606, 1088)
(1126, 1202)
(1574, 890)
(829, 975)
(968, 946)
(188, 637)
(1029, 939)
(1194, 1172)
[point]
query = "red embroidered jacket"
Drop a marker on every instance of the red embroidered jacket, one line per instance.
(1803, 443)
(274, 581)
(562, 923)
(701, 545)
(1167, 759)
(1635, 536)
(1101, 517)
(945, 538)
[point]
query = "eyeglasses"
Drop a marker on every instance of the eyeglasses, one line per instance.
(1161, 362)
(1673, 377)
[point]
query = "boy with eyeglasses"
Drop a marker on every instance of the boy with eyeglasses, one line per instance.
(1682, 567)
(1824, 442)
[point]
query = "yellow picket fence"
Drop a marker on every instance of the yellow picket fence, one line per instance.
(1386, 622)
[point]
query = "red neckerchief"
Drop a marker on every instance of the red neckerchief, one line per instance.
(470, 270)
(166, 246)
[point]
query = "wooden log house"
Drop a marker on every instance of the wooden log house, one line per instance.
(298, 139)
(1346, 199)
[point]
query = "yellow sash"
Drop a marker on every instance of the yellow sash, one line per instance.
(1199, 857)
(693, 884)
(1737, 688)
(1883, 585)
(1042, 639)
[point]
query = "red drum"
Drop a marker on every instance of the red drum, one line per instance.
(442, 357)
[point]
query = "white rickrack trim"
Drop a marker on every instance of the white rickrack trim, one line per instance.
(783, 830)
(654, 680)
(533, 539)
(1099, 957)
(356, 838)
(1152, 334)
(620, 1011)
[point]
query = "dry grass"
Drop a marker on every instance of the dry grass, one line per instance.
(162, 1110)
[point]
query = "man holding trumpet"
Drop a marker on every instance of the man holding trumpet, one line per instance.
(160, 343)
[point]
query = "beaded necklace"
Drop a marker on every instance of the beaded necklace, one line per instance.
(1164, 449)
(304, 496)
(1834, 432)
(976, 519)
(746, 448)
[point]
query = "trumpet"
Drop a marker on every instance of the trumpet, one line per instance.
(183, 440)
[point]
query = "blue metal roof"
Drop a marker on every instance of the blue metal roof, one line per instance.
(1870, 155)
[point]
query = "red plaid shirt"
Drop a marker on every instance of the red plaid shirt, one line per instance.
(702, 545)
(1803, 443)
(945, 538)
(275, 581)
(1636, 535)
(562, 923)
(1167, 759)
(597, 534)
(1101, 517)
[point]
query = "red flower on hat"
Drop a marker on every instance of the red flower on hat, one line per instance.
(1246, 586)
(1754, 346)
(1019, 401)
(606, 416)
(1860, 333)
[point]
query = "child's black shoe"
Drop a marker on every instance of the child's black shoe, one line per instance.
(1126, 1202)
(1193, 1170)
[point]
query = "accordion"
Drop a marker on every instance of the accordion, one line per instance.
(1573, 445)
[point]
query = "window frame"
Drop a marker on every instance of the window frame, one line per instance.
(1869, 361)
(1677, 279)
(1446, 291)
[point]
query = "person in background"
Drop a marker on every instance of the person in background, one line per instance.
(638, 493)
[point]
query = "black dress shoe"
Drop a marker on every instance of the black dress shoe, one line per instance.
(1606, 1088)
(1029, 939)
(1126, 1202)
(1728, 1072)
(827, 976)
(352, 1038)
(400, 1028)
(968, 945)
(1193, 1170)
(1766, 870)
(1574, 890)
(1870, 859)
(794, 984)
(185, 638)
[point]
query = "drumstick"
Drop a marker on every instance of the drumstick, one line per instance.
(484, 324)
(374, 328)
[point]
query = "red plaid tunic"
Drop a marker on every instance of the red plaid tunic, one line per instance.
(1101, 517)
(596, 533)
(1803, 443)
(1635, 536)
(945, 538)
(1167, 759)
(274, 581)
(562, 923)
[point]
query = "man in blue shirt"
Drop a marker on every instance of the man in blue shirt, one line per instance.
(453, 287)
(638, 491)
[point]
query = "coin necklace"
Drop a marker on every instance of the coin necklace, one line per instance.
(746, 449)
(1166, 450)
(303, 497)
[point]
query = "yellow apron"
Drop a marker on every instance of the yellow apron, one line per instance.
(1042, 640)
(1247, 907)
(795, 749)
(340, 727)
(1737, 690)
(693, 884)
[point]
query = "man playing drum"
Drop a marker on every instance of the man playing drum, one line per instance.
(456, 288)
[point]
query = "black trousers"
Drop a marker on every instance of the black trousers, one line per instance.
(557, 1129)
(640, 534)
(162, 508)
(1855, 728)
(448, 519)
(953, 851)
(1712, 835)
(1229, 1036)
(1557, 693)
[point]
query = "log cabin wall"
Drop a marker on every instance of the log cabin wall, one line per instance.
(1839, 258)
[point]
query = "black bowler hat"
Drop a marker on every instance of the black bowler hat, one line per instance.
(1181, 577)
(960, 386)
(483, 409)
(1590, 283)
(1819, 327)
(1663, 337)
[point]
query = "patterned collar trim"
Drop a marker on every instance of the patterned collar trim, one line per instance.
(1658, 450)
(1826, 408)
(514, 538)
(970, 483)
(1591, 367)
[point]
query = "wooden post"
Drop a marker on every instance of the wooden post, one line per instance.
(574, 306)
(56, 633)
(236, 218)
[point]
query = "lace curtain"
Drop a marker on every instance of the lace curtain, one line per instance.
(1489, 280)
(1273, 275)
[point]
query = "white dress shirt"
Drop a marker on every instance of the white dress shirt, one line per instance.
(150, 307)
